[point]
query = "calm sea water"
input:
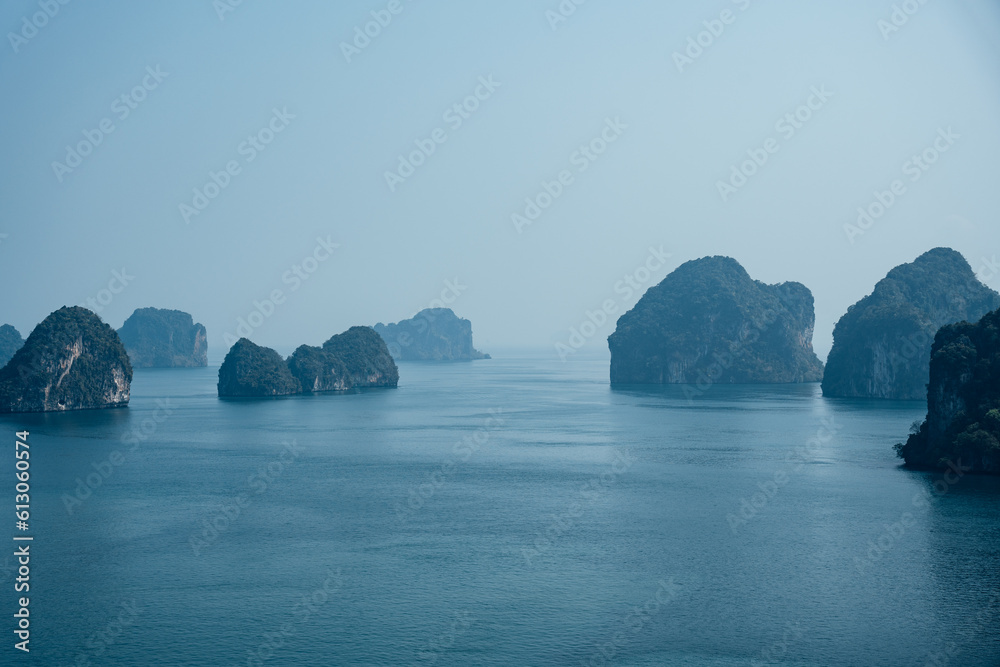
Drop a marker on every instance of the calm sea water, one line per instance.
(517, 511)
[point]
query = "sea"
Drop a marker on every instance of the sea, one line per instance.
(511, 511)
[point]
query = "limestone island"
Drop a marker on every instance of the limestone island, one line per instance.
(709, 322)
(71, 361)
(882, 345)
(962, 429)
(433, 334)
(159, 338)
(10, 342)
(355, 359)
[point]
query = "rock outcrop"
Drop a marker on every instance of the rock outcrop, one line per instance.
(709, 322)
(158, 338)
(433, 334)
(365, 356)
(71, 361)
(963, 401)
(250, 370)
(355, 359)
(882, 345)
(318, 370)
(10, 342)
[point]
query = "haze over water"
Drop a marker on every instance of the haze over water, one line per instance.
(566, 505)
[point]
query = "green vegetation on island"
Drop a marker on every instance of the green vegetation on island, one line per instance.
(882, 345)
(71, 361)
(433, 334)
(10, 343)
(357, 358)
(963, 401)
(709, 322)
(160, 338)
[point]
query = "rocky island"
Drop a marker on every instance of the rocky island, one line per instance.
(710, 322)
(159, 338)
(882, 345)
(433, 334)
(10, 342)
(251, 370)
(963, 401)
(71, 361)
(357, 358)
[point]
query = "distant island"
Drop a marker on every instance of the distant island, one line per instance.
(710, 322)
(158, 338)
(882, 346)
(357, 358)
(71, 361)
(10, 342)
(433, 334)
(963, 401)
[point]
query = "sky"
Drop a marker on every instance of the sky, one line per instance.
(533, 165)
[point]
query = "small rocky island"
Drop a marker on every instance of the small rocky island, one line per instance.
(433, 334)
(10, 342)
(882, 346)
(159, 338)
(710, 322)
(357, 358)
(252, 370)
(71, 361)
(963, 401)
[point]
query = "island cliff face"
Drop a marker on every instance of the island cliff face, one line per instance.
(882, 346)
(10, 342)
(433, 334)
(710, 322)
(252, 370)
(157, 338)
(365, 356)
(357, 358)
(963, 401)
(71, 361)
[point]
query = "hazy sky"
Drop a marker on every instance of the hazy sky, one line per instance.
(202, 86)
